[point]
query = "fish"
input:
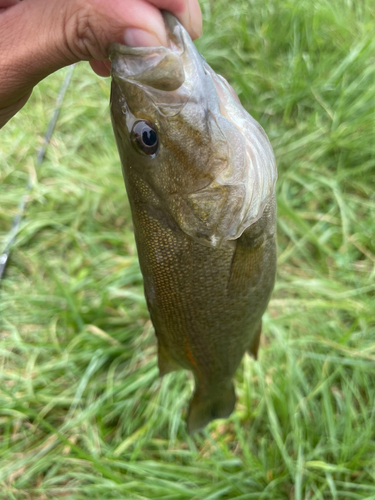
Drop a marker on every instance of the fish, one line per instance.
(200, 175)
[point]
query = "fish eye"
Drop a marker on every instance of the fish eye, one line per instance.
(144, 137)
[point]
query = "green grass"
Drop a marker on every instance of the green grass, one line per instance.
(83, 414)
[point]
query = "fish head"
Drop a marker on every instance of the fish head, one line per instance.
(187, 145)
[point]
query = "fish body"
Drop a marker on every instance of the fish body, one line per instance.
(200, 175)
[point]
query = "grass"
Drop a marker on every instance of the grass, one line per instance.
(83, 413)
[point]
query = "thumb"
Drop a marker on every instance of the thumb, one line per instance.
(91, 25)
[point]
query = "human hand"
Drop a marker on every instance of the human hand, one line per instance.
(38, 37)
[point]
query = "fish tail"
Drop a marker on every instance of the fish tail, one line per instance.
(206, 406)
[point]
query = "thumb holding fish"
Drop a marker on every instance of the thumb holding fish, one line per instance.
(38, 37)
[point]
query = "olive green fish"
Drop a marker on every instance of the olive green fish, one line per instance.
(200, 175)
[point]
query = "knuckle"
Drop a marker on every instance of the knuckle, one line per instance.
(84, 35)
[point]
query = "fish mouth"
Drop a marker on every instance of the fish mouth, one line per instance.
(165, 76)
(160, 68)
(155, 67)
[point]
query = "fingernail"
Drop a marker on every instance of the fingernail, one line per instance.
(135, 37)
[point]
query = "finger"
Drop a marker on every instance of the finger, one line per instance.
(101, 68)
(187, 12)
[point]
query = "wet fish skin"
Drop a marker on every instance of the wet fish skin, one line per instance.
(204, 213)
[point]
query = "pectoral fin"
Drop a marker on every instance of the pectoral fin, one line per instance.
(255, 341)
(246, 267)
(165, 363)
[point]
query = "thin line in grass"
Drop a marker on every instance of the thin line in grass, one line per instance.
(4, 257)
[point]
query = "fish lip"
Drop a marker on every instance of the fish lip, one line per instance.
(157, 67)
(158, 70)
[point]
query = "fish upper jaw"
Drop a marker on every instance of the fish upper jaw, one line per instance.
(160, 68)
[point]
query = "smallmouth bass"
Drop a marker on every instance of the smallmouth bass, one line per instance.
(200, 175)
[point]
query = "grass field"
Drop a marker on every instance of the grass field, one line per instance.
(83, 414)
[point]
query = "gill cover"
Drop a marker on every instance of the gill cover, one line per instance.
(233, 176)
